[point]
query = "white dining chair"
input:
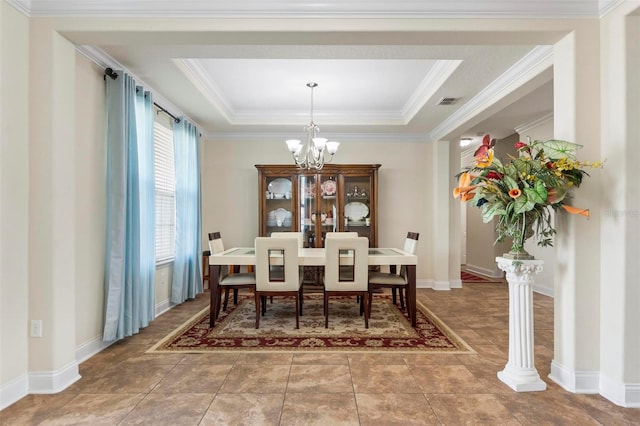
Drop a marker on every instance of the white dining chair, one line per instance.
(273, 254)
(346, 234)
(351, 253)
(298, 235)
(229, 279)
(397, 278)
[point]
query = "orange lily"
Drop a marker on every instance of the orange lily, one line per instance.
(514, 193)
(467, 196)
(464, 188)
(575, 210)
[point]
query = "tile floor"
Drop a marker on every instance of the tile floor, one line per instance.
(123, 386)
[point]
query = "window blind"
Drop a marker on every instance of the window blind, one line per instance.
(165, 192)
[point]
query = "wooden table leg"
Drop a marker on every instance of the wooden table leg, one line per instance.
(214, 290)
(411, 293)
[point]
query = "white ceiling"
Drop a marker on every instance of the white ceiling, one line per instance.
(252, 84)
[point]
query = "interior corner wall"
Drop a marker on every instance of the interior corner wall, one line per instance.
(14, 204)
(620, 268)
(52, 251)
(577, 118)
(90, 206)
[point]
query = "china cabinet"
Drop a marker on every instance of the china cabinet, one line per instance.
(336, 198)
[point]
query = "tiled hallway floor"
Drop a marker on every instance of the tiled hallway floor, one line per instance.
(124, 386)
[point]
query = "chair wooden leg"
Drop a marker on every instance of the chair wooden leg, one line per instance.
(401, 294)
(393, 295)
(297, 312)
(258, 303)
(235, 296)
(366, 310)
(301, 299)
(226, 299)
(326, 311)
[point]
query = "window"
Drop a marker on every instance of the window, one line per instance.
(165, 193)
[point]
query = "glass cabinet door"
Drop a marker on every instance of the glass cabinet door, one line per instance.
(308, 207)
(327, 216)
(279, 205)
(318, 208)
(357, 211)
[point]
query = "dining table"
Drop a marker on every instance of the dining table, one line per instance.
(246, 256)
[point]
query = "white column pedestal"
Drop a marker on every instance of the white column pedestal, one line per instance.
(520, 373)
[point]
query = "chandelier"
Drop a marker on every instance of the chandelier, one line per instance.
(311, 155)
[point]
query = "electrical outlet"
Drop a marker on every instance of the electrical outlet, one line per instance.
(36, 328)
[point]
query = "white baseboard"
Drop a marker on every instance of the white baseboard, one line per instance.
(13, 391)
(484, 271)
(622, 394)
(90, 348)
(441, 285)
(54, 381)
(543, 290)
(424, 283)
(575, 381)
(163, 307)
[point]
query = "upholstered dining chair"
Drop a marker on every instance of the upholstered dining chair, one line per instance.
(271, 254)
(298, 235)
(397, 278)
(352, 253)
(345, 234)
(229, 280)
(344, 270)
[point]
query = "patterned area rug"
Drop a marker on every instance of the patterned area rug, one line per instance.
(389, 329)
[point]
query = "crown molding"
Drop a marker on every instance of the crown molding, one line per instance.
(201, 79)
(434, 79)
(280, 137)
(535, 62)
(310, 8)
(196, 73)
(23, 6)
(104, 60)
(606, 6)
(525, 127)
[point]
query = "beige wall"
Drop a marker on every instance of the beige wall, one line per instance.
(619, 252)
(230, 189)
(14, 187)
(90, 200)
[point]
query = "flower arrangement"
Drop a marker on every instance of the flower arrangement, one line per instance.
(521, 192)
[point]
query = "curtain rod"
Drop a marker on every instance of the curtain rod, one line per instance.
(109, 72)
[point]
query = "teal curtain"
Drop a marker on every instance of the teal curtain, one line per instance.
(187, 267)
(130, 240)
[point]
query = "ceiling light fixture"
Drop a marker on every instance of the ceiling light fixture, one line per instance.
(311, 155)
(465, 142)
